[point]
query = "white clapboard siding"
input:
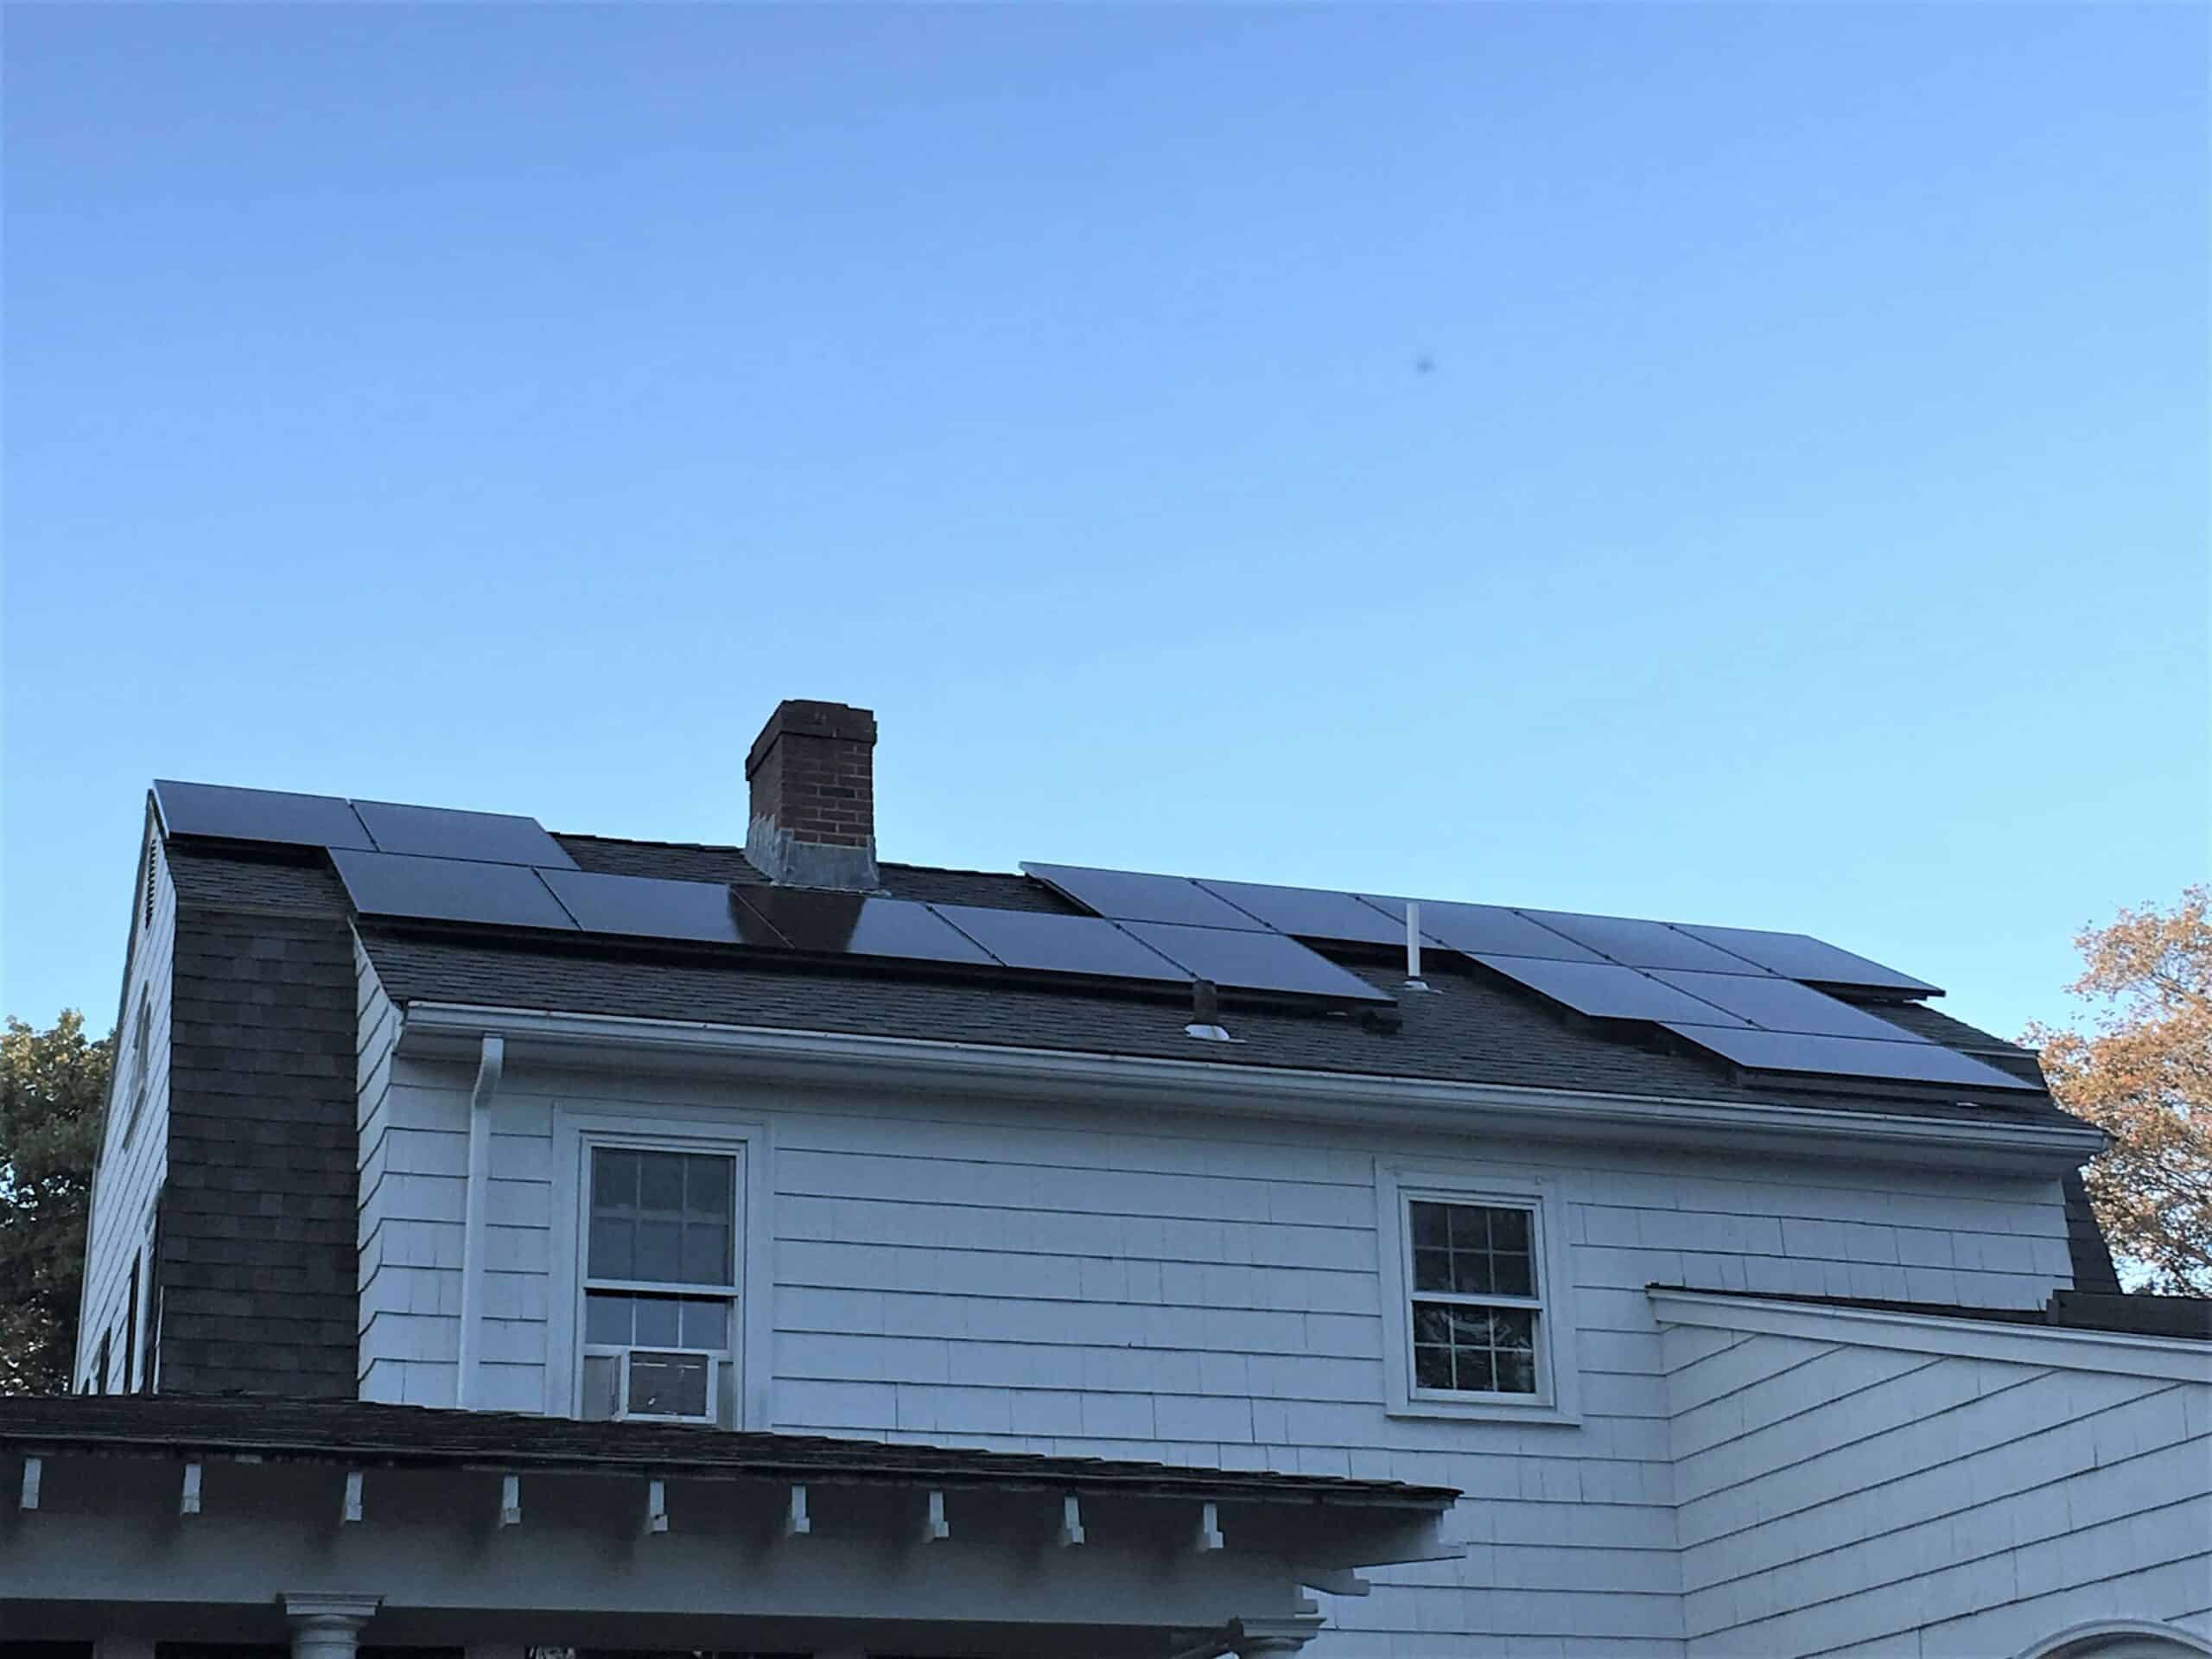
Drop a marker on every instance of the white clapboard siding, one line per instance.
(1197, 1291)
(130, 1176)
(1834, 1498)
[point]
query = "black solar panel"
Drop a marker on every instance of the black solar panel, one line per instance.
(646, 906)
(845, 923)
(1850, 1056)
(1641, 944)
(1312, 912)
(1784, 1005)
(1604, 990)
(1476, 930)
(1254, 961)
(1060, 944)
(1800, 956)
(441, 832)
(258, 815)
(447, 890)
(1126, 896)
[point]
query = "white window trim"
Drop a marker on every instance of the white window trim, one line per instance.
(665, 1129)
(1558, 1398)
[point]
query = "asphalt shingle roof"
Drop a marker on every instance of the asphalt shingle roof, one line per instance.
(1470, 1030)
(1473, 1029)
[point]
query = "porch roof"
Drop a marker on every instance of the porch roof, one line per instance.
(365, 1434)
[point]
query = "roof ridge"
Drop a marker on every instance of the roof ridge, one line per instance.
(641, 841)
(954, 869)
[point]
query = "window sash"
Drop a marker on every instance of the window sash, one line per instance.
(664, 1288)
(1485, 1250)
(729, 1219)
(1534, 1306)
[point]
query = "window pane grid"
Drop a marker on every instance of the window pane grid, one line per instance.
(620, 1321)
(1475, 1298)
(661, 1217)
(1474, 1351)
(1471, 1249)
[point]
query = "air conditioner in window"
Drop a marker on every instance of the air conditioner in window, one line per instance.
(661, 1385)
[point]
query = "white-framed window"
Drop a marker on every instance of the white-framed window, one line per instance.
(663, 1280)
(660, 1281)
(1475, 1283)
(137, 1079)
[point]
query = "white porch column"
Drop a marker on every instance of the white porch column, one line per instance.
(328, 1626)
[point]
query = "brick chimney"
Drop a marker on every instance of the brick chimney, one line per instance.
(812, 771)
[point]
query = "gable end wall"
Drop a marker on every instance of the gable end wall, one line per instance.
(129, 1172)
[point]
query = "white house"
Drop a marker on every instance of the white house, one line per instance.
(507, 1241)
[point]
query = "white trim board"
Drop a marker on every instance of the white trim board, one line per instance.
(445, 1030)
(2055, 1347)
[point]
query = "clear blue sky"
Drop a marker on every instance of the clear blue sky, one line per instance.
(1800, 520)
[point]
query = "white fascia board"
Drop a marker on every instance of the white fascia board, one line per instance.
(2056, 1347)
(455, 1030)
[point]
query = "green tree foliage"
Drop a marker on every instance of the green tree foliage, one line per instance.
(53, 1086)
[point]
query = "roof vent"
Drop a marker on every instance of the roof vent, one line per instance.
(1205, 1013)
(1413, 980)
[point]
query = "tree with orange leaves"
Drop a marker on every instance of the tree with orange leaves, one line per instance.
(2143, 1073)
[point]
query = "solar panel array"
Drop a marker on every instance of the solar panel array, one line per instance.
(260, 815)
(448, 890)
(273, 816)
(1746, 995)
(1749, 996)
(501, 870)
(821, 924)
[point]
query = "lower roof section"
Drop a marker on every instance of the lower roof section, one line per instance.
(362, 1433)
(2071, 1333)
(2114, 1312)
(157, 1515)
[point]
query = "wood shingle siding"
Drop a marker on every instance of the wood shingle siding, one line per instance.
(130, 1176)
(1190, 1290)
(1834, 1498)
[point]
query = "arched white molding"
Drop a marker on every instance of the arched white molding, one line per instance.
(2119, 1638)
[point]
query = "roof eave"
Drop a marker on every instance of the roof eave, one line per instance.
(445, 1030)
